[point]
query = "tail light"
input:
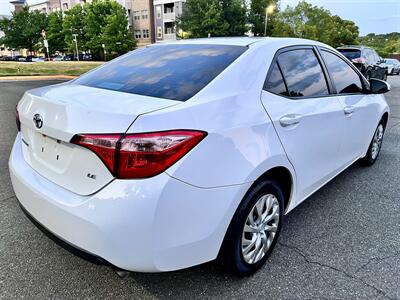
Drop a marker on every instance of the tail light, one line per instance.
(140, 155)
(17, 120)
(358, 60)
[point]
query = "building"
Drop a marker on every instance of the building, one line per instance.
(165, 14)
(140, 14)
(141, 20)
(18, 4)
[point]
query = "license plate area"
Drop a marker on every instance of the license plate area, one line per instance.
(51, 153)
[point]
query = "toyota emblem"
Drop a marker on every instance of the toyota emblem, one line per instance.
(38, 120)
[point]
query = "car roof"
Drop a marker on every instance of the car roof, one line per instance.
(245, 41)
(358, 47)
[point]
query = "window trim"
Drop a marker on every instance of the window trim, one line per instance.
(320, 61)
(364, 84)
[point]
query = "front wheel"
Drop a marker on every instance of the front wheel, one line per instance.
(375, 146)
(254, 229)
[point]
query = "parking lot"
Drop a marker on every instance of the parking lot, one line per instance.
(342, 243)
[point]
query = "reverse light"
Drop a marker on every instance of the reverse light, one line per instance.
(140, 155)
(358, 60)
(17, 120)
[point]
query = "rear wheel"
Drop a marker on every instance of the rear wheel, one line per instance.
(254, 229)
(375, 146)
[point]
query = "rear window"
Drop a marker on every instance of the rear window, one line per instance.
(350, 53)
(175, 72)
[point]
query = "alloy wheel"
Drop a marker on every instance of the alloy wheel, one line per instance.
(377, 141)
(260, 228)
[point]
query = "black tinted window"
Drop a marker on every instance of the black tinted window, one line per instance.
(350, 53)
(344, 77)
(275, 83)
(303, 73)
(175, 72)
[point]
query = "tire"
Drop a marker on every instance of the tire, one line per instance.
(235, 254)
(373, 152)
(385, 76)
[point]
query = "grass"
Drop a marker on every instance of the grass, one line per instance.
(45, 68)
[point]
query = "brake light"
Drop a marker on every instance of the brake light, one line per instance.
(358, 60)
(140, 155)
(104, 145)
(17, 120)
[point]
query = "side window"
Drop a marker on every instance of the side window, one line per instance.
(344, 77)
(275, 83)
(303, 73)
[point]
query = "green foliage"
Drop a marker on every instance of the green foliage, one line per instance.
(235, 14)
(384, 44)
(257, 17)
(217, 18)
(55, 34)
(106, 23)
(74, 23)
(24, 29)
(316, 23)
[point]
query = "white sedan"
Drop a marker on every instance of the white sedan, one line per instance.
(177, 154)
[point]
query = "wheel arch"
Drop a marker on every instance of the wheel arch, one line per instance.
(284, 177)
(385, 118)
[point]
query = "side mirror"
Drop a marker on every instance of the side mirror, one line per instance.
(378, 86)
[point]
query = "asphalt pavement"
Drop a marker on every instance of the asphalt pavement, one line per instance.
(342, 243)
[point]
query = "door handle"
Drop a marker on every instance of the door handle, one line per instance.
(290, 120)
(349, 110)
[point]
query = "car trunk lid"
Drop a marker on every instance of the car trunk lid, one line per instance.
(51, 116)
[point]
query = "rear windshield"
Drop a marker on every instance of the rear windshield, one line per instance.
(175, 72)
(350, 53)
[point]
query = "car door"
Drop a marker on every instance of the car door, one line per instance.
(359, 117)
(306, 118)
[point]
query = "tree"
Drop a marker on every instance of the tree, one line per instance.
(235, 14)
(257, 16)
(74, 23)
(106, 23)
(24, 29)
(384, 44)
(315, 23)
(55, 33)
(202, 17)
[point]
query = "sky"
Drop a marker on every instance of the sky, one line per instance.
(377, 16)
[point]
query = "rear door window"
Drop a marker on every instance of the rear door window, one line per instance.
(344, 77)
(350, 53)
(275, 83)
(303, 73)
(175, 72)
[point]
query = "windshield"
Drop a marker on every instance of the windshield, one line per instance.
(391, 61)
(350, 53)
(174, 71)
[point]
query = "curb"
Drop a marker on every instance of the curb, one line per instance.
(37, 77)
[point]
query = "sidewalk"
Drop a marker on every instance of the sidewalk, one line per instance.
(36, 77)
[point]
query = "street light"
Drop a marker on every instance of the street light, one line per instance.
(268, 11)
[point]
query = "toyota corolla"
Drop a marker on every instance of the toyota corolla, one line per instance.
(181, 153)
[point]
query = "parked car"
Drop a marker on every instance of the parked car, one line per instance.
(177, 154)
(366, 60)
(38, 59)
(393, 66)
(30, 58)
(19, 58)
(58, 58)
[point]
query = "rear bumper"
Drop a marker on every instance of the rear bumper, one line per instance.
(151, 225)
